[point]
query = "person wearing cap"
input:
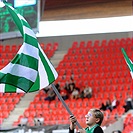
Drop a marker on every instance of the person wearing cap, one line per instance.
(94, 119)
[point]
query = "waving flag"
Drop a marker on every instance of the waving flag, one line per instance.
(130, 65)
(129, 62)
(30, 70)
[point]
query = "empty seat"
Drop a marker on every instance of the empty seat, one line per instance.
(96, 44)
(74, 45)
(89, 44)
(82, 45)
(55, 46)
(1, 48)
(42, 45)
(14, 48)
(7, 48)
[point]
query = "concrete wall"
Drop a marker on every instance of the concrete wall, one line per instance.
(118, 125)
(66, 41)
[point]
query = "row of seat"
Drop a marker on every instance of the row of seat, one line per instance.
(8, 52)
(15, 47)
(104, 43)
(79, 109)
(8, 102)
(128, 123)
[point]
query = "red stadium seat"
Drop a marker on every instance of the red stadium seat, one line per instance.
(75, 45)
(7, 48)
(42, 45)
(1, 48)
(55, 46)
(13, 48)
(82, 45)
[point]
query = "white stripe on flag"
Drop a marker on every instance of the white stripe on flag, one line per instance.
(131, 72)
(29, 32)
(2, 87)
(29, 50)
(21, 17)
(21, 71)
(49, 63)
(11, 7)
(42, 74)
(19, 91)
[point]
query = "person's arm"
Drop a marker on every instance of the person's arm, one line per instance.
(72, 123)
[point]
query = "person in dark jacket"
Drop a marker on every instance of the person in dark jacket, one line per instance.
(94, 119)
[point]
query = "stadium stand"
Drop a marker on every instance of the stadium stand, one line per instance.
(101, 65)
(108, 73)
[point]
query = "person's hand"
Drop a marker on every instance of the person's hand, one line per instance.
(72, 122)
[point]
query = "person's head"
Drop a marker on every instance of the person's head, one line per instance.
(108, 101)
(94, 116)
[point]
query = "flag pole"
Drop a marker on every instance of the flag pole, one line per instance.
(63, 102)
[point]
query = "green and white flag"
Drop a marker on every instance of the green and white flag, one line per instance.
(30, 70)
(129, 62)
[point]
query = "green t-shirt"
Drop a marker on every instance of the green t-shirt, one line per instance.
(91, 130)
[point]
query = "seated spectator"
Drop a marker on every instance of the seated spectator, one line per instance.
(45, 89)
(128, 103)
(114, 103)
(71, 85)
(108, 104)
(57, 86)
(103, 107)
(87, 92)
(24, 121)
(63, 93)
(38, 121)
(51, 94)
(75, 94)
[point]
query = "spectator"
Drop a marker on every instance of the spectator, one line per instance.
(87, 92)
(128, 103)
(75, 94)
(63, 93)
(24, 121)
(57, 86)
(103, 107)
(71, 85)
(108, 104)
(50, 95)
(38, 121)
(114, 103)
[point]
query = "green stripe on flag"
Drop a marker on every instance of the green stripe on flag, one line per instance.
(36, 85)
(25, 60)
(18, 81)
(9, 88)
(129, 63)
(26, 24)
(31, 40)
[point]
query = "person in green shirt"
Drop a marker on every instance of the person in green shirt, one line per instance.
(94, 119)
